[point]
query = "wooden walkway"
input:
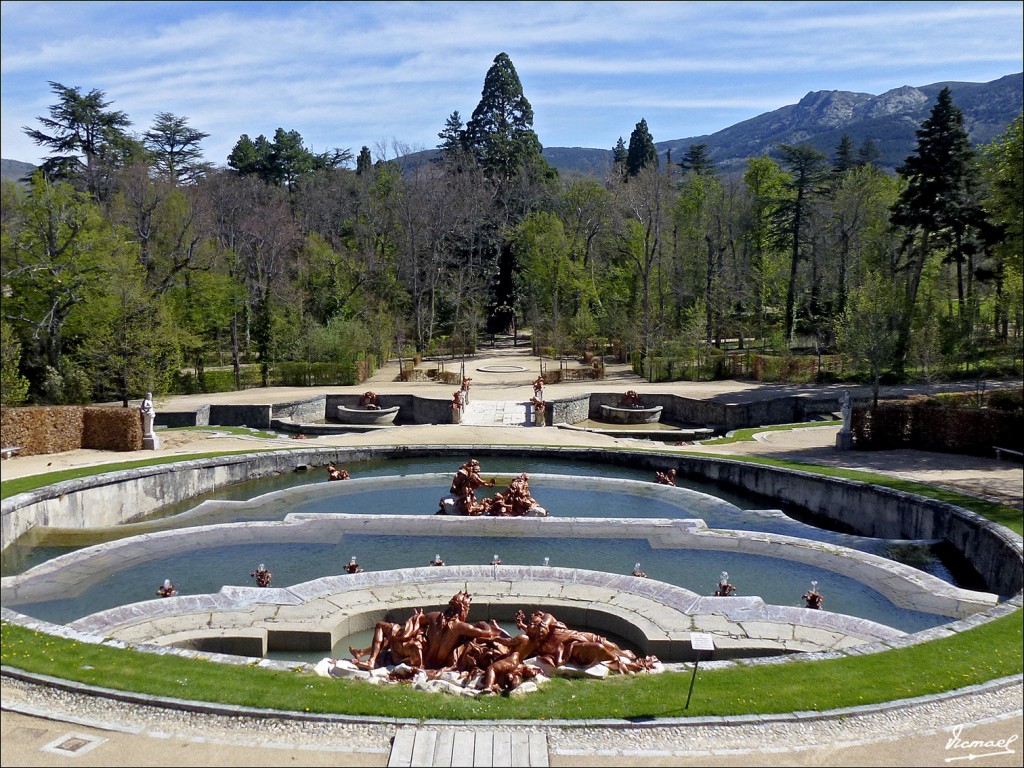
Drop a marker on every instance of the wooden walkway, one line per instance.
(468, 747)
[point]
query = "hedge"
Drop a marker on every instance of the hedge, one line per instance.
(53, 429)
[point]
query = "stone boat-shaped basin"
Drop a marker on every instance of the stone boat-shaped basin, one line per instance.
(367, 415)
(615, 415)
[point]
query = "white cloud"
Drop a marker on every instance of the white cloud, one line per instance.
(349, 73)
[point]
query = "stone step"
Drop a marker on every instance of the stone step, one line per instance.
(468, 747)
(507, 413)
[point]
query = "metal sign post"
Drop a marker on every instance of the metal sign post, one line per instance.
(699, 641)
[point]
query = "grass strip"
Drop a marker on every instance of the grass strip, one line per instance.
(27, 483)
(990, 651)
(745, 435)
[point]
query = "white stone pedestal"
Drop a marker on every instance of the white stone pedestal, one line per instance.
(844, 440)
(150, 442)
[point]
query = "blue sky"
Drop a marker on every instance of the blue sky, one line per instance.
(387, 75)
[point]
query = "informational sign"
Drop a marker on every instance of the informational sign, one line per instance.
(701, 641)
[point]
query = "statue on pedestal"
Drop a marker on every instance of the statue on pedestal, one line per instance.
(844, 440)
(150, 442)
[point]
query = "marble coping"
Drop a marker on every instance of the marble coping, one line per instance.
(655, 617)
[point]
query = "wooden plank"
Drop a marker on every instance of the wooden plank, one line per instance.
(423, 747)
(443, 749)
(401, 748)
(483, 743)
(501, 756)
(538, 749)
(462, 748)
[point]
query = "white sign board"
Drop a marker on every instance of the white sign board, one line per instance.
(701, 641)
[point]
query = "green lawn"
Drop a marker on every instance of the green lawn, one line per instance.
(986, 652)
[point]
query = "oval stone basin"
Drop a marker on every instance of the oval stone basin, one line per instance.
(615, 415)
(367, 415)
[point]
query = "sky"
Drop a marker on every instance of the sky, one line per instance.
(387, 75)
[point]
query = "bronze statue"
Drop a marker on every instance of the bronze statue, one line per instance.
(725, 589)
(333, 473)
(813, 598)
(369, 401)
(630, 400)
(516, 501)
(403, 643)
(262, 576)
(666, 478)
(446, 640)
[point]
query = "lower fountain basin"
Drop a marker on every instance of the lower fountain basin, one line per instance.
(367, 415)
(615, 415)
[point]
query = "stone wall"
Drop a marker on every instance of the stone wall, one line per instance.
(570, 410)
(413, 408)
(301, 410)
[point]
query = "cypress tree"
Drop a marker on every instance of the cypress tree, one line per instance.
(642, 151)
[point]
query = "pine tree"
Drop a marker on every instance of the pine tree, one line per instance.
(87, 140)
(642, 152)
(500, 132)
(619, 155)
(453, 137)
(807, 168)
(868, 153)
(174, 148)
(844, 158)
(696, 161)
(938, 208)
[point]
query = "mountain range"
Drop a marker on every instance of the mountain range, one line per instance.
(820, 119)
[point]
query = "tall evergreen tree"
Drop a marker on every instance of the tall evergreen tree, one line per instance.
(174, 148)
(500, 132)
(252, 157)
(807, 168)
(642, 152)
(868, 153)
(453, 137)
(696, 161)
(1003, 168)
(619, 155)
(364, 162)
(938, 208)
(844, 159)
(86, 139)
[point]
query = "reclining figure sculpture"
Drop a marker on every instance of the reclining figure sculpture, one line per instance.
(446, 641)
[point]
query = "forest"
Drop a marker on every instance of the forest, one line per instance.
(130, 264)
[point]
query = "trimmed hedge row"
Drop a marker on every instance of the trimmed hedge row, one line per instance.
(53, 429)
(927, 424)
